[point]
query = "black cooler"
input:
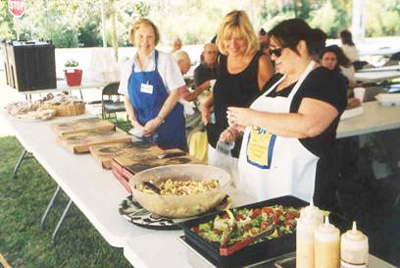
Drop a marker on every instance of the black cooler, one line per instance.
(30, 65)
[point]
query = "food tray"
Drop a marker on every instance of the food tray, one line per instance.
(198, 260)
(253, 253)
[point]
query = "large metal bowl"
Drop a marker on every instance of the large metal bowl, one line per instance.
(180, 206)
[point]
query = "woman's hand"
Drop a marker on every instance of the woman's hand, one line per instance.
(239, 117)
(353, 103)
(151, 126)
(230, 134)
(205, 114)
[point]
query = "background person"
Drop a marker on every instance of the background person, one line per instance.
(207, 69)
(350, 50)
(263, 39)
(176, 44)
(333, 58)
(195, 129)
(150, 83)
(242, 72)
(293, 123)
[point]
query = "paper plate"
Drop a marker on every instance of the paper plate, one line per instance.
(352, 113)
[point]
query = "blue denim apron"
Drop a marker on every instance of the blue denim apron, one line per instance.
(171, 133)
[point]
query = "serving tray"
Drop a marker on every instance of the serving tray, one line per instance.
(131, 210)
(255, 252)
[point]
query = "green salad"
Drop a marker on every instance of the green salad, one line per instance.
(239, 224)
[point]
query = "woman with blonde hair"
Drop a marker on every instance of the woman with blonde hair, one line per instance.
(150, 83)
(243, 71)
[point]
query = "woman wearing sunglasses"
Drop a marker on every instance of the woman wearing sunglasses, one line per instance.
(242, 72)
(293, 123)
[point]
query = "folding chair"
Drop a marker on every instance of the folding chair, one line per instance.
(111, 103)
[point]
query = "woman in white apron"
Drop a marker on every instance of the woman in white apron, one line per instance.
(292, 123)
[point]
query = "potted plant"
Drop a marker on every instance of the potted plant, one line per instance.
(73, 75)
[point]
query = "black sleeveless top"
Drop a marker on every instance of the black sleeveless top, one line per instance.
(239, 90)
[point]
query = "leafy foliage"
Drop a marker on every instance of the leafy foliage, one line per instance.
(77, 23)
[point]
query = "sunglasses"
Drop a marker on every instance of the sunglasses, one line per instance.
(277, 51)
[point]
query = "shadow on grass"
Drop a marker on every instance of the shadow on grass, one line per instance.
(22, 204)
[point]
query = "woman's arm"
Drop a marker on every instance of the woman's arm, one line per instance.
(265, 70)
(313, 117)
(131, 112)
(191, 96)
(205, 109)
(167, 107)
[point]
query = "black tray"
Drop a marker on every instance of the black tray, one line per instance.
(252, 253)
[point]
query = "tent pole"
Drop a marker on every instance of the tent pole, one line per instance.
(103, 23)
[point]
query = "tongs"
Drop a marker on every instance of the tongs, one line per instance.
(229, 250)
(152, 187)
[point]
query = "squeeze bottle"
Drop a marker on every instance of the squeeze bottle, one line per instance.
(354, 249)
(327, 245)
(310, 217)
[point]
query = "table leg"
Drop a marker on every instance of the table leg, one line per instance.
(80, 92)
(21, 158)
(51, 203)
(53, 236)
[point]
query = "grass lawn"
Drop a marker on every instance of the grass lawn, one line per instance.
(22, 203)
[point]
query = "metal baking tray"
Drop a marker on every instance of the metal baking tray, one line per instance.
(198, 260)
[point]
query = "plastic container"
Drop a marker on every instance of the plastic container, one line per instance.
(73, 77)
(180, 206)
(354, 249)
(327, 245)
(310, 218)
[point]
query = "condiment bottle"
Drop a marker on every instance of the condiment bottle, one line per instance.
(327, 245)
(310, 217)
(354, 249)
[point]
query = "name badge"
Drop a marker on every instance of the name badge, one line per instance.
(146, 88)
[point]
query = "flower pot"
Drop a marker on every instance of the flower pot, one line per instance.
(73, 77)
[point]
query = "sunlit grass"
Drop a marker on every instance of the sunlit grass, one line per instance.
(22, 203)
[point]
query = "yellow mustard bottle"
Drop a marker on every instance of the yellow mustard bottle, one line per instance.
(327, 245)
(354, 249)
(310, 217)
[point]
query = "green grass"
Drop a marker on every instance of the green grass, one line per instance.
(22, 203)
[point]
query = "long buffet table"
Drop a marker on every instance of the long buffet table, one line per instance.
(94, 190)
(97, 193)
(375, 118)
(374, 75)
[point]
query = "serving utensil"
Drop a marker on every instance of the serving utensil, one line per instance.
(229, 250)
(152, 187)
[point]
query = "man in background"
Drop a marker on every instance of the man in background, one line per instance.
(207, 70)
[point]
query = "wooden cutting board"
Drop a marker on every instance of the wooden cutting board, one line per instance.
(132, 165)
(81, 125)
(139, 149)
(80, 142)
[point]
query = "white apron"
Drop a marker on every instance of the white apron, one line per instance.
(271, 166)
